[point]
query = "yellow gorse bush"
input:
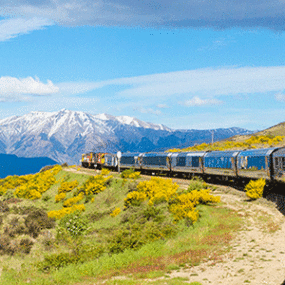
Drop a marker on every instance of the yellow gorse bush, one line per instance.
(12, 182)
(155, 190)
(254, 189)
(65, 211)
(135, 175)
(67, 186)
(182, 206)
(130, 173)
(116, 212)
(95, 184)
(72, 201)
(60, 197)
(105, 171)
(33, 186)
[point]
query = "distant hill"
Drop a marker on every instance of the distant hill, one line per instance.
(12, 165)
(270, 137)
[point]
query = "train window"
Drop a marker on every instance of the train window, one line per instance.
(283, 162)
(277, 162)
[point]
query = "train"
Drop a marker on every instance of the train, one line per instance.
(241, 165)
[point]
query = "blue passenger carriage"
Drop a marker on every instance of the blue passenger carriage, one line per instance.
(130, 160)
(255, 163)
(278, 162)
(187, 162)
(157, 161)
(221, 163)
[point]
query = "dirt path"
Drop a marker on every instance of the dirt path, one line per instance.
(257, 254)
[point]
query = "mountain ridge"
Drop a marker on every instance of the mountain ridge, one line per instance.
(64, 135)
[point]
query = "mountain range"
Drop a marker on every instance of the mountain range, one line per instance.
(64, 135)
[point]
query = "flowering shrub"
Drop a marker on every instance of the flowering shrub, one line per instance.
(116, 212)
(183, 206)
(95, 184)
(105, 171)
(130, 173)
(67, 186)
(11, 182)
(65, 211)
(254, 189)
(156, 190)
(32, 186)
(60, 197)
(72, 201)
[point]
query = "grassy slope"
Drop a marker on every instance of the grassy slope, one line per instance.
(277, 130)
(205, 240)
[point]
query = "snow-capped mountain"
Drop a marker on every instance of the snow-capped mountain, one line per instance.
(65, 135)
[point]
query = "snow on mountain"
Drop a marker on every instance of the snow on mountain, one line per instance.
(126, 120)
(65, 135)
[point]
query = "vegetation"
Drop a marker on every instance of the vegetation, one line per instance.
(254, 189)
(106, 225)
(255, 141)
(130, 173)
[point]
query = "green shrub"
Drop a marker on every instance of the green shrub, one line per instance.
(38, 220)
(141, 225)
(47, 167)
(26, 245)
(74, 224)
(46, 198)
(136, 235)
(48, 243)
(56, 261)
(96, 216)
(196, 183)
(4, 207)
(132, 186)
(14, 228)
(8, 246)
(9, 195)
(4, 243)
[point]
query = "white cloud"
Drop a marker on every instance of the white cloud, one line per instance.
(11, 88)
(199, 82)
(148, 111)
(162, 106)
(11, 28)
(280, 97)
(196, 101)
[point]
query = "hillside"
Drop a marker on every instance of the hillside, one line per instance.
(271, 137)
(122, 235)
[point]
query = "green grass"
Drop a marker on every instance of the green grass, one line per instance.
(206, 239)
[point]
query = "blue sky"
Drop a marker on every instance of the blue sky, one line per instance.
(184, 64)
